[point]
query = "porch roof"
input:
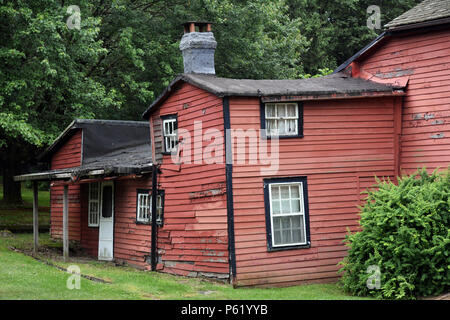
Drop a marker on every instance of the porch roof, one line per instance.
(133, 160)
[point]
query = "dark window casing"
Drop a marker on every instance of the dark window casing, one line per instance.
(266, 184)
(299, 122)
(148, 191)
(168, 117)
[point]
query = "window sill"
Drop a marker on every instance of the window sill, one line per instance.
(282, 137)
(148, 223)
(144, 222)
(302, 246)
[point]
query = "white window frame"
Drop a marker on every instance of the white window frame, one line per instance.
(301, 213)
(170, 135)
(272, 132)
(94, 217)
(144, 207)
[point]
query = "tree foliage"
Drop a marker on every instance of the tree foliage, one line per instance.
(406, 234)
(125, 52)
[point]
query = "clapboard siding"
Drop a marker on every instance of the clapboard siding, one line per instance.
(89, 235)
(345, 144)
(193, 240)
(67, 156)
(131, 240)
(425, 58)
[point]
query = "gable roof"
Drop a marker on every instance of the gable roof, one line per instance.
(326, 85)
(108, 131)
(108, 147)
(426, 14)
(427, 10)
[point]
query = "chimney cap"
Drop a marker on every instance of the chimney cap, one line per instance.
(203, 26)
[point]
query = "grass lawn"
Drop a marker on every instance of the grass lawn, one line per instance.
(22, 217)
(22, 277)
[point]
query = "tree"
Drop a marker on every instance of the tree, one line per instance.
(336, 30)
(54, 71)
(110, 59)
(256, 39)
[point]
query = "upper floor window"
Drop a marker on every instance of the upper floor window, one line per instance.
(170, 126)
(282, 119)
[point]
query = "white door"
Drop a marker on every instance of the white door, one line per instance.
(106, 222)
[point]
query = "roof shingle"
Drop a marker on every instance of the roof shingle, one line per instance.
(427, 10)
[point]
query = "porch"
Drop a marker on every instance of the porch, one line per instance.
(82, 178)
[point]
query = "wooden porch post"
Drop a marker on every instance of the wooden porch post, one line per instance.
(65, 223)
(35, 217)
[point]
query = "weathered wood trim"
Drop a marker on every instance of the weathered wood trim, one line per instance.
(229, 188)
(35, 217)
(66, 223)
(153, 253)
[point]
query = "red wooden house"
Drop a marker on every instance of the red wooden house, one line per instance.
(257, 180)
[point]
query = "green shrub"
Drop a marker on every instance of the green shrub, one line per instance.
(406, 234)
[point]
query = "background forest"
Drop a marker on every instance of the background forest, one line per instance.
(124, 53)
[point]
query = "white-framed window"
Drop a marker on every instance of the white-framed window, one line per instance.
(144, 207)
(94, 204)
(170, 126)
(286, 215)
(281, 119)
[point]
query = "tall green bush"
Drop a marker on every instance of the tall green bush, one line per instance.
(406, 236)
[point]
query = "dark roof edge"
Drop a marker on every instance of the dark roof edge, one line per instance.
(57, 141)
(71, 173)
(362, 51)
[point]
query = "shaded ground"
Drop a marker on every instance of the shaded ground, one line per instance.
(20, 218)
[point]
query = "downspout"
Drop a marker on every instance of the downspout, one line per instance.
(229, 189)
(154, 248)
(398, 110)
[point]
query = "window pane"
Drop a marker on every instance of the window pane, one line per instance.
(93, 191)
(288, 230)
(284, 192)
(291, 126)
(295, 191)
(270, 110)
(107, 202)
(291, 110)
(93, 207)
(285, 206)
(276, 207)
(281, 127)
(277, 237)
(275, 192)
(298, 229)
(295, 205)
(281, 109)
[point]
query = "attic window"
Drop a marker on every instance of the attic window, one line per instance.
(282, 119)
(170, 127)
